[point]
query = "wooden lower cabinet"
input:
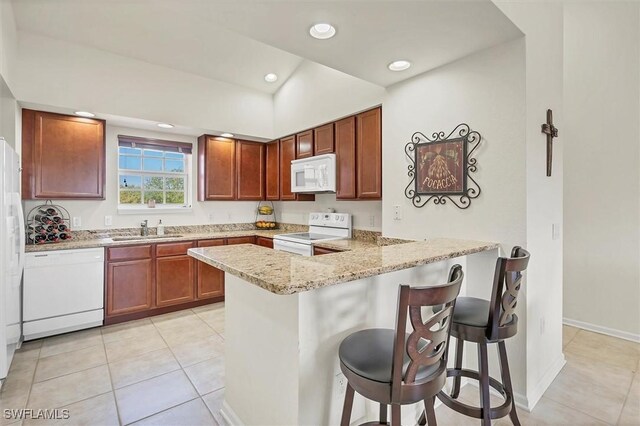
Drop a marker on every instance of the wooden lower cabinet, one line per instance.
(317, 251)
(129, 286)
(175, 278)
(242, 240)
(209, 280)
(264, 242)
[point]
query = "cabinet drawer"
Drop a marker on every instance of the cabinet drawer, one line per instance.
(211, 243)
(173, 249)
(241, 240)
(129, 252)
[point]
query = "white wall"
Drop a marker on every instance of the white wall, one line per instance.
(487, 91)
(316, 94)
(92, 213)
(602, 181)
(8, 42)
(60, 74)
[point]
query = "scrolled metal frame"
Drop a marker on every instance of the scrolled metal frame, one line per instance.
(462, 200)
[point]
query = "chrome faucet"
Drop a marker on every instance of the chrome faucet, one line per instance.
(144, 228)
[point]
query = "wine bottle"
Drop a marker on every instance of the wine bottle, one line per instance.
(52, 237)
(62, 227)
(47, 220)
(64, 236)
(49, 211)
(37, 238)
(56, 219)
(37, 229)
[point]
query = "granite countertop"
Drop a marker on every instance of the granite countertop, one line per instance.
(284, 273)
(168, 238)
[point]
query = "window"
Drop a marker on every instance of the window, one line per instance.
(152, 169)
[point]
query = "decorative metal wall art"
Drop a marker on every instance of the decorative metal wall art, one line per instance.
(550, 130)
(441, 167)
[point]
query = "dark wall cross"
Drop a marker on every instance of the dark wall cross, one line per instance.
(550, 130)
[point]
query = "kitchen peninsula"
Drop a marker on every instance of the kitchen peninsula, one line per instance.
(286, 315)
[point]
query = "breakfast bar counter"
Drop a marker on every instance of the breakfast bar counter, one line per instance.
(286, 315)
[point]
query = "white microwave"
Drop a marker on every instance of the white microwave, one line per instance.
(314, 174)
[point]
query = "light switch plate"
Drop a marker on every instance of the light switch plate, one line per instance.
(397, 213)
(555, 231)
(108, 220)
(76, 221)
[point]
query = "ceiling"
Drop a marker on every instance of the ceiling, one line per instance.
(242, 40)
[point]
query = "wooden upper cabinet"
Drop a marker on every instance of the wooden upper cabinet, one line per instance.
(287, 154)
(369, 154)
(323, 139)
(62, 156)
(304, 144)
(272, 172)
(216, 168)
(346, 158)
(250, 166)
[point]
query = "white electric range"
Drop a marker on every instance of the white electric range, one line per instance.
(322, 227)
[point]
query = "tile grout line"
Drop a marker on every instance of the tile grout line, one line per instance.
(113, 389)
(626, 398)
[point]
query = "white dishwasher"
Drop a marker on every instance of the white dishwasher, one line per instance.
(63, 291)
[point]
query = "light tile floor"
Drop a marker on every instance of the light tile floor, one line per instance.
(169, 370)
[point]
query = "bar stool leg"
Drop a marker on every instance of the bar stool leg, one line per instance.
(395, 415)
(430, 410)
(348, 405)
(383, 414)
(483, 370)
(506, 380)
(458, 365)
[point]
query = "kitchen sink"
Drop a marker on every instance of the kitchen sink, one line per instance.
(147, 237)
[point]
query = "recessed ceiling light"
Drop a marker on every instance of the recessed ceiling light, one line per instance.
(85, 114)
(165, 125)
(400, 65)
(322, 31)
(270, 78)
(227, 135)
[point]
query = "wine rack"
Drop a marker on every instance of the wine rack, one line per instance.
(47, 223)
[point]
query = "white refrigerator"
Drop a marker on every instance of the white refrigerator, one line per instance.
(12, 256)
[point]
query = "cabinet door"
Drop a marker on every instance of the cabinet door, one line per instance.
(210, 280)
(241, 240)
(346, 158)
(273, 170)
(264, 242)
(287, 154)
(304, 144)
(174, 280)
(250, 168)
(317, 251)
(369, 154)
(63, 156)
(323, 139)
(216, 168)
(129, 286)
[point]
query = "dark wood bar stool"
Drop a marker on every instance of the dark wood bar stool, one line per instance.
(394, 367)
(483, 322)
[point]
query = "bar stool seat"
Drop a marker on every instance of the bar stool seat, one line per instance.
(471, 311)
(369, 353)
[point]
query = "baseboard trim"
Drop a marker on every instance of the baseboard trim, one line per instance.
(229, 415)
(529, 403)
(602, 330)
(523, 401)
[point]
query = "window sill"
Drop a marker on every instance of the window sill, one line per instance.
(153, 210)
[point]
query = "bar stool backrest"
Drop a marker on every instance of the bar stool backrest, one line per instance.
(504, 294)
(435, 329)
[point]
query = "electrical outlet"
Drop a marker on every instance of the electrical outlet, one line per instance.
(542, 326)
(76, 221)
(108, 220)
(212, 217)
(397, 213)
(555, 231)
(340, 384)
(372, 220)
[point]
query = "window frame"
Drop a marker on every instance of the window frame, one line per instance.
(158, 145)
